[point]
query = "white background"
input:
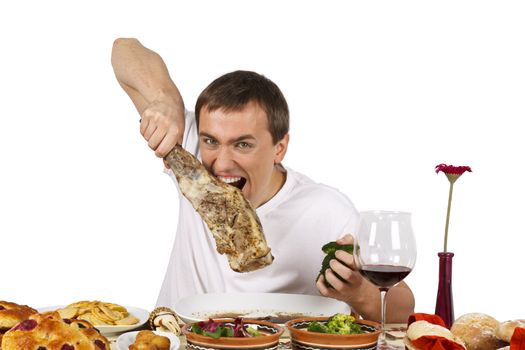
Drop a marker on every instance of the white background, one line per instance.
(379, 91)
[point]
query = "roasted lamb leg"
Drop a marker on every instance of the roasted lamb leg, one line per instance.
(229, 216)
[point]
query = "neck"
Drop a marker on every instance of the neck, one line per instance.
(276, 183)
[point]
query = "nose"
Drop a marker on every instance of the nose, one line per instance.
(223, 160)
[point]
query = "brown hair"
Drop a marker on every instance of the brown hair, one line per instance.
(233, 91)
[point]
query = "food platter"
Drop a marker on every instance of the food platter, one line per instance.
(139, 313)
(126, 339)
(278, 306)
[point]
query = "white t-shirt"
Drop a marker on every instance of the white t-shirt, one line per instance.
(297, 222)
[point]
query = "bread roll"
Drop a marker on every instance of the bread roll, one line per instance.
(477, 331)
(505, 329)
(420, 328)
(424, 328)
(147, 340)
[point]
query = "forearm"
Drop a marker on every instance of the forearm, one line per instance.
(143, 75)
(399, 303)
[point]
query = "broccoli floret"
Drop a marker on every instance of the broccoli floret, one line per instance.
(341, 318)
(343, 324)
(337, 324)
(317, 327)
(329, 249)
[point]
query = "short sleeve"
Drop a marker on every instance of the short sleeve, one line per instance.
(190, 141)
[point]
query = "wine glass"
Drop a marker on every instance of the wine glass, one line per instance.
(386, 252)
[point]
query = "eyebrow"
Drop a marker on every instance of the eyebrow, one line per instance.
(240, 138)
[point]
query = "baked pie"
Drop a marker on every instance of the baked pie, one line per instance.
(48, 331)
(11, 314)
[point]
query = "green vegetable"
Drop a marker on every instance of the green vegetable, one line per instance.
(329, 249)
(253, 331)
(216, 329)
(317, 327)
(337, 324)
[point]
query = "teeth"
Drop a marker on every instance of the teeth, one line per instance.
(229, 180)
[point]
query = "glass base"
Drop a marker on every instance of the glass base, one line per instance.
(383, 345)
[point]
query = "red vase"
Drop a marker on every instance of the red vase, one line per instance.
(444, 301)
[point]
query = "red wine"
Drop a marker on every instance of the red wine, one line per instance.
(384, 276)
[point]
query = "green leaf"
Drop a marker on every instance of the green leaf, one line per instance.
(253, 331)
(226, 332)
(196, 329)
(214, 335)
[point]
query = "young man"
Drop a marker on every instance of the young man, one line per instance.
(240, 132)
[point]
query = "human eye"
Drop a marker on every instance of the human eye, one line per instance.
(209, 141)
(244, 145)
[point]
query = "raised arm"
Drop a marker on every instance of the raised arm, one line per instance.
(143, 75)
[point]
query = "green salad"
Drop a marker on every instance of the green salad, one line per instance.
(214, 329)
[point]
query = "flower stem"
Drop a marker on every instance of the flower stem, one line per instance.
(448, 214)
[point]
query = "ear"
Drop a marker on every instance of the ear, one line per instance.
(280, 149)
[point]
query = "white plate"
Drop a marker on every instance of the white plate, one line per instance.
(126, 339)
(203, 306)
(141, 314)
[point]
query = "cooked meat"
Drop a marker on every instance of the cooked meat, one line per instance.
(231, 219)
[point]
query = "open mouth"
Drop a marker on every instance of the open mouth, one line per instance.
(238, 182)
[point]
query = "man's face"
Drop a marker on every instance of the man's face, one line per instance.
(237, 147)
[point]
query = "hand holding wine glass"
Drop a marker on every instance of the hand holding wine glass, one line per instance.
(386, 252)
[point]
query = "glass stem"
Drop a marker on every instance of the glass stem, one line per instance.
(382, 292)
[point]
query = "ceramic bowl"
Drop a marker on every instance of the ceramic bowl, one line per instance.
(268, 341)
(302, 339)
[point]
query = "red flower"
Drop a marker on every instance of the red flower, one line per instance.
(453, 173)
(451, 169)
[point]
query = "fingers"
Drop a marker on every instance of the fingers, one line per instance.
(160, 129)
(334, 281)
(346, 239)
(167, 143)
(155, 139)
(344, 272)
(348, 278)
(346, 258)
(323, 288)
(149, 131)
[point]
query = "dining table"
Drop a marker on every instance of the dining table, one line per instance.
(395, 332)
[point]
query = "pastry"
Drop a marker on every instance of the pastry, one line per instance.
(48, 331)
(147, 340)
(477, 330)
(98, 313)
(12, 313)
